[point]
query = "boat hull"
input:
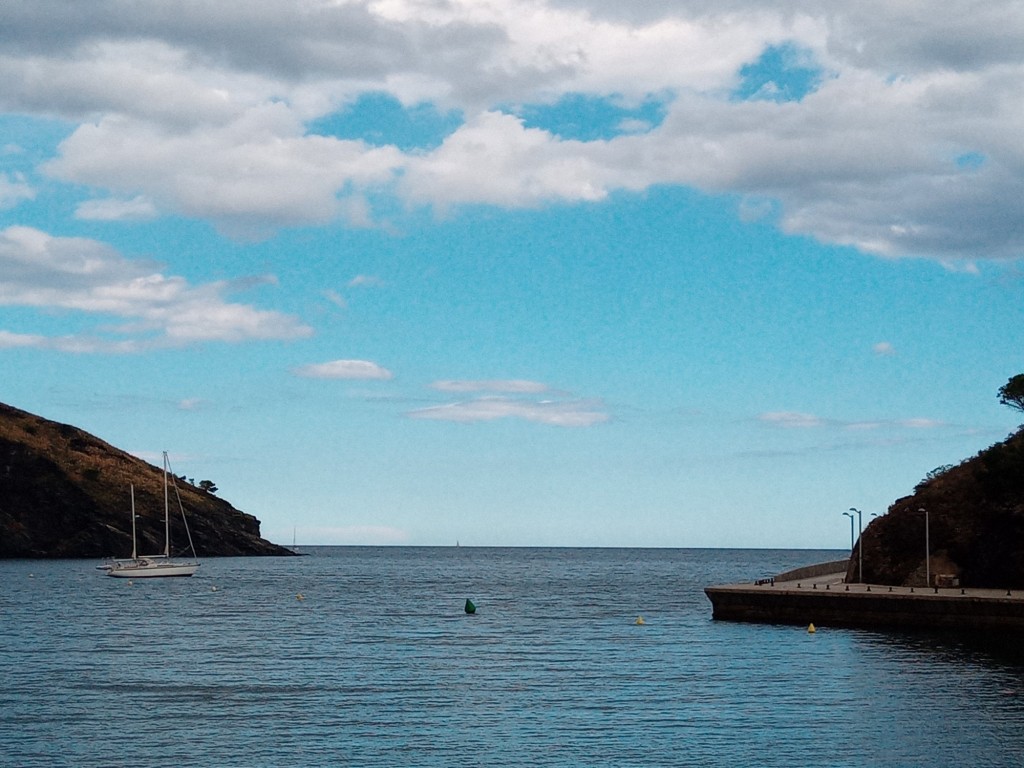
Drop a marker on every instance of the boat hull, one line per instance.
(150, 569)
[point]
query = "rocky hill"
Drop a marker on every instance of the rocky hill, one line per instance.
(65, 493)
(975, 521)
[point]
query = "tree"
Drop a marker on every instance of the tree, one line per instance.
(1012, 392)
(208, 486)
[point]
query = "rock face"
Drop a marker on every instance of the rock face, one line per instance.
(975, 525)
(65, 493)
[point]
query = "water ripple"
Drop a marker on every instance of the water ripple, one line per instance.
(364, 656)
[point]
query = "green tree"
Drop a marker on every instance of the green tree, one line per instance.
(1012, 392)
(208, 486)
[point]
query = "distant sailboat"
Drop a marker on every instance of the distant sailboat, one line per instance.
(150, 566)
(295, 546)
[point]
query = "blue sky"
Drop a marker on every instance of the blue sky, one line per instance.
(518, 273)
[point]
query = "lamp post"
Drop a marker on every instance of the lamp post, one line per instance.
(847, 514)
(927, 550)
(860, 544)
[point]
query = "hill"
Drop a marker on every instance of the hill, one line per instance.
(975, 525)
(65, 493)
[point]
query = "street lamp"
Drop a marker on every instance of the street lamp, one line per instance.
(927, 550)
(860, 543)
(847, 514)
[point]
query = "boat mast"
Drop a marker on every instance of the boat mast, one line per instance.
(167, 516)
(134, 553)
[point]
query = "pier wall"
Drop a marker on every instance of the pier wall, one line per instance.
(812, 571)
(865, 608)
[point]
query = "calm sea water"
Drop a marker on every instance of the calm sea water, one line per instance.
(378, 665)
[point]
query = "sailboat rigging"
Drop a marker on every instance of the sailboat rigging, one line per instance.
(149, 566)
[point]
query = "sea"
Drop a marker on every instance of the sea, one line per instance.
(364, 656)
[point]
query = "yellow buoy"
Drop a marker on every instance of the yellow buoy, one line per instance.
(811, 630)
(639, 620)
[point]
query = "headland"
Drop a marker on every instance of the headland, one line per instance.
(66, 493)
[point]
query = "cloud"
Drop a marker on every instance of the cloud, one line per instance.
(568, 413)
(496, 159)
(796, 420)
(149, 309)
(518, 386)
(360, 281)
(10, 340)
(344, 369)
(634, 125)
(14, 189)
(136, 209)
(791, 419)
(335, 298)
(884, 349)
(809, 156)
(921, 423)
(901, 141)
(510, 399)
(249, 175)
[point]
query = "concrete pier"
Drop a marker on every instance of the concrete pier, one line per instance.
(825, 600)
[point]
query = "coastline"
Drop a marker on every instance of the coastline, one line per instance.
(815, 596)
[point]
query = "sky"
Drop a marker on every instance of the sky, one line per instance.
(519, 272)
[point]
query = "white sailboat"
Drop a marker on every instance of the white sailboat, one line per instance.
(150, 566)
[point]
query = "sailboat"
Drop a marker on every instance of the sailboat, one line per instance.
(150, 566)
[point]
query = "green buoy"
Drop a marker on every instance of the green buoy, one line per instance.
(470, 608)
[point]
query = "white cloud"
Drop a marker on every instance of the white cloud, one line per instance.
(634, 125)
(137, 209)
(344, 369)
(14, 189)
(362, 281)
(791, 419)
(256, 172)
(75, 344)
(335, 298)
(495, 159)
(921, 423)
(149, 309)
(909, 145)
(517, 386)
(10, 340)
(567, 413)
(884, 349)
